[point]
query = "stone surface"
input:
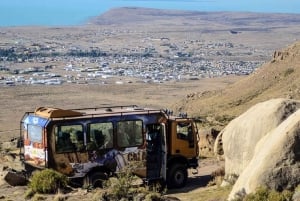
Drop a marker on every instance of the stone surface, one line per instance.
(276, 160)
(241, 135)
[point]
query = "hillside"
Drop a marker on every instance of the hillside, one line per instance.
(277, 78)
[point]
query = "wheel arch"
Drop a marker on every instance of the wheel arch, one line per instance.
(178, 159)
(96, 173)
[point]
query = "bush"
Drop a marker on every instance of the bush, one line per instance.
(217, 177)
(288, 71)
(121, 187)
(261, 193)
(47, 181)
(264, 193)
(125, 187)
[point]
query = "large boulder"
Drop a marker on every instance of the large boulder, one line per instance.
(238, 139)
(276, 160)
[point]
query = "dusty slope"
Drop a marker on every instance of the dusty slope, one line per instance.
(277, 78)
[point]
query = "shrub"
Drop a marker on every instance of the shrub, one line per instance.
(224, 119)
(288, 72)
(47, 181)
(121, 187)
(264, 193)
(153, 196)
(217, 177)
(280, 196)
(29, 194)
(261, 193)
(125, 187)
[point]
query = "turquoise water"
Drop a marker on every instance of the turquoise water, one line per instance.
(76, 12)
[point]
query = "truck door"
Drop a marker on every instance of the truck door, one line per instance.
(156, 152)
(67, 147)
(184, 138)
(35, 142)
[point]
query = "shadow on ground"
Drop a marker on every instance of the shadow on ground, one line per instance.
(192, 184)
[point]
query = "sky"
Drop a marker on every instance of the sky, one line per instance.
(75, 12)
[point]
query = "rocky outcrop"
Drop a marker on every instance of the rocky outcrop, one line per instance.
(207, 141)
(240, 136)
(11, 166)
(279, 55)
(276, 160)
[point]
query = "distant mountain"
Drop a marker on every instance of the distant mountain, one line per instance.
(278, 78)
(129, 15)
(240, 20)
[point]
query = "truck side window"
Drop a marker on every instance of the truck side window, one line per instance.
(129, 133)
(183, 131)
(100, 136)
(35, 133)
(69, 138)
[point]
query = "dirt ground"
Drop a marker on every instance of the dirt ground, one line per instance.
(197, 182)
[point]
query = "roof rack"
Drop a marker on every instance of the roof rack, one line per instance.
(107, 107)
(95, 111)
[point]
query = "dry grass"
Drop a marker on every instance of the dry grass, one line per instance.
(17, 100)
(213, 193)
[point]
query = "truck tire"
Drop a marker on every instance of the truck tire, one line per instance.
(177, 176)
(96, 179)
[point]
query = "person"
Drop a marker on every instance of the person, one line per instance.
(153, 139)
(109, 139)
(99, 138)
(64, 143)
(123, 139)
(79, 141)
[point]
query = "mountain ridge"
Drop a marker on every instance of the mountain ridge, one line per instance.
(129, 15)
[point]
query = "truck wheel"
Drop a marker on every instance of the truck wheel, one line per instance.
(177, 176)
(96, 179)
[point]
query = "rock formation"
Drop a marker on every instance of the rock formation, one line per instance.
(241, 135)
(261, 147)
(276, 160)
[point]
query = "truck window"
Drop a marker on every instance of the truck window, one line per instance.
(130, 133)
(69, 138)
(100, 135)
(35, 133)
(183, 130)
